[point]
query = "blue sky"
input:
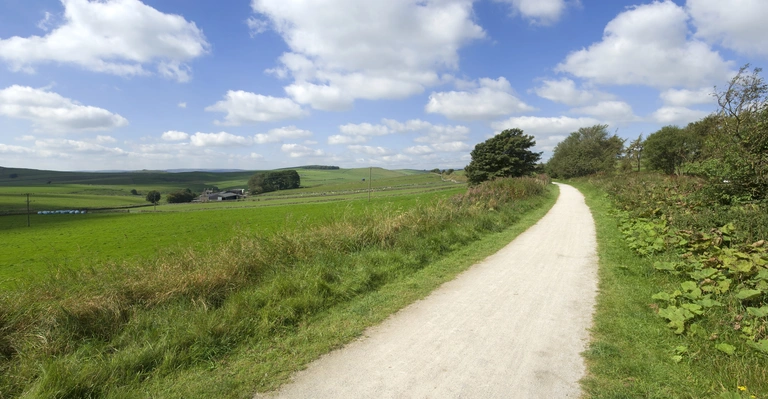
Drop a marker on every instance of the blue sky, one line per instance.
(262, 84)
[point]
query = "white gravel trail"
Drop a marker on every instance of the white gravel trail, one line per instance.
(512, 326)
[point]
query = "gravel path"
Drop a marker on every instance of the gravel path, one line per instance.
(512, 326)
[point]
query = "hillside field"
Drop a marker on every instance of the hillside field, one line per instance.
(58, 243)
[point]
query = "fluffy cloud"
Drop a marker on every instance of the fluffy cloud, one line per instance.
(343, 50)
(103, 37)
(53, 113)
(173, 135)
(300, 151)
(419, 150)
(14, 149)
(615, 111)
(64, 146)
(681, 116)
(364, 129)
(492, 99)
(105, 139)
(369, 150)
(565, 91)
(542, 12)
(361, 133)
(221, 139)
(342, 139)
(648, 45)
(739, 25)
(243, 107)
(684, 97)
(453, 146)
(280, 134)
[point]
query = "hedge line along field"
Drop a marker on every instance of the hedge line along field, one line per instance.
(57, 243)
(242, 315)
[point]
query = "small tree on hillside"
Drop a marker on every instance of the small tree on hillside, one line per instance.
(507, 154)
(153, 197)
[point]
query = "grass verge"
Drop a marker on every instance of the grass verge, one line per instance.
(633, 354)
(244, 315)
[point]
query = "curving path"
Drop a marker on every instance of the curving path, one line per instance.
(512, 326)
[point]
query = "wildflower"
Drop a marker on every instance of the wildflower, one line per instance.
(742, 388)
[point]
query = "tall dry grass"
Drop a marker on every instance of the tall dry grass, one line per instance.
(81, 334)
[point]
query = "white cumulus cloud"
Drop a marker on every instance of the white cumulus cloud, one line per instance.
(173, 135)
(243, 107)
(343, 50)
(649, 45)
(616, 111)
(493, 98)
(675, 115)
(52, 113)
(280, 134)
(120, 37)
(737, 24)
(542, 12)
(301, 151)
(221, 139)
(565, 91)
(685, 97)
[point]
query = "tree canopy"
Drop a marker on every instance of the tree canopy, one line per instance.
(271, 181)
(180, 196)
(153, 196)
(586, 151)
(670, 148)
(506, 154)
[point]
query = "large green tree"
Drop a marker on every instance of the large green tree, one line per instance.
(671, 148)
(584, 152)
(506, 154)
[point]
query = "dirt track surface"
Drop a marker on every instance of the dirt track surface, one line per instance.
(512, 326)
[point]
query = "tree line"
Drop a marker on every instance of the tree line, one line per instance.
(728, 149)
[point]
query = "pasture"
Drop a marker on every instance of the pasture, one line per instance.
(61, 243)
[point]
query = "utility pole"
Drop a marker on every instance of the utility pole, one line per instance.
(27, 194)
(370, 173)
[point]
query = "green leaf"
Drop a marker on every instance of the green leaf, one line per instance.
(689, 285)
(708, 303)
(661, 296)
(667, 266)
(725, 348)
(758, 312)
(677, 358)
(694, 308)
(748, 294)
(761, 345)
(730, 395)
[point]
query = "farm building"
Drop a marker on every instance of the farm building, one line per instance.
(230, 195)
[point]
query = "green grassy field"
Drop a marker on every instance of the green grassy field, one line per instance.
(60, 243)
(76, 190)
(240, 316)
